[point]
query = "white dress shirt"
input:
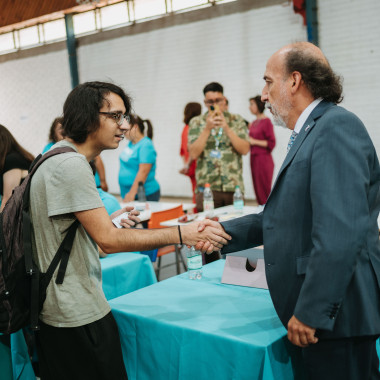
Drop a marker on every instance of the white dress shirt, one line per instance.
(305, 114)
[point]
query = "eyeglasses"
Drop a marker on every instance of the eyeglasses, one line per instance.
(216, 101)
(118, 117)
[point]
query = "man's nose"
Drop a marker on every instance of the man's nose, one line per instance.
(124, 125)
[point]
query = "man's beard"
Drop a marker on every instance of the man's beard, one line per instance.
(277, 118)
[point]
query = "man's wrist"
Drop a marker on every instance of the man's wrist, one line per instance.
(207, 130)
(227, 130)
(132, 193)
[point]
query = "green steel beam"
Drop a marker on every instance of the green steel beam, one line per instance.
(71, 49)
(312, 21)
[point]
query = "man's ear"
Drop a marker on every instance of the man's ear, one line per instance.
(297, 81)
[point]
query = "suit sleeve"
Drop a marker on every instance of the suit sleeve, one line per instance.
(340, 177)
(246, 232)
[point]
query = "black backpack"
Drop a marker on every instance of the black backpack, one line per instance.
(22, 285)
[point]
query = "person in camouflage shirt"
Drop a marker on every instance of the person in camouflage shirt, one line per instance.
(217, 140)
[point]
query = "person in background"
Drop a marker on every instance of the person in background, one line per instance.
(100, 174)
(55, 134)
(110, 202)
(138, 162)
(191, 110)
(14, 164)
(262, 140)
(217, 140)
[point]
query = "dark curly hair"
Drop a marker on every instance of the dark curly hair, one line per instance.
(317, 74)
(81, 108)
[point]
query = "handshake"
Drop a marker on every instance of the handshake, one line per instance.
(206, 236)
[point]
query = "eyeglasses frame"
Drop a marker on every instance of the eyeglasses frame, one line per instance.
(121, 117)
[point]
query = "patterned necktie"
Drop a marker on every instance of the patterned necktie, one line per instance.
(291, 140)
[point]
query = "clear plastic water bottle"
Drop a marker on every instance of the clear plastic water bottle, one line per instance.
(141, 192)
(238, 200)
(208, 200)
(194, 263)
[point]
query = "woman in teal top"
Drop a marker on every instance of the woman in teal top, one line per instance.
(138, 162)
(55, 133)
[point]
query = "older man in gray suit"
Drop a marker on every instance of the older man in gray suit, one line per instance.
(319, 226)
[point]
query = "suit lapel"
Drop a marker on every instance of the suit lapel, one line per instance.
(306, 128)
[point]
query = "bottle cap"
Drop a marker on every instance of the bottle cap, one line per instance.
(207, 185)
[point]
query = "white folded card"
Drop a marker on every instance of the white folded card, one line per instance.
(245, 268)
(116, 221)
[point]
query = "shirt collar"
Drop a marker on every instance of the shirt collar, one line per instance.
(305, 114)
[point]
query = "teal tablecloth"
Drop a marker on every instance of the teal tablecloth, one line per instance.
(5, 362)
(122, 273)
(125, 272)
(182, 329)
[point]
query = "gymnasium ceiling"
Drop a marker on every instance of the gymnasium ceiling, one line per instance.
(21, 13)
(16, 14)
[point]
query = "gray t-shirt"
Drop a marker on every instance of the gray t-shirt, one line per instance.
(62, 185)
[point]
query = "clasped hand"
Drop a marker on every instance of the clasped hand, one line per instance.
(301, 334)
(206, 236)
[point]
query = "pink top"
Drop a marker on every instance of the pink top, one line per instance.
(184, 151)
(262, 129)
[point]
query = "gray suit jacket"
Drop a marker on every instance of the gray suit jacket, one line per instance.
(319, 228)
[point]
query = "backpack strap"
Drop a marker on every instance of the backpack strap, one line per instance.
(27, 239)
(39, 287)
(34, 299)
(27, 225)
(36, 164)
(62, 256)
(43, 157)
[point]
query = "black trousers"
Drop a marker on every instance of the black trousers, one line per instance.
(342, 359)
(89, 352)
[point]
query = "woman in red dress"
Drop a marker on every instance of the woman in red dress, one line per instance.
(262, 140)
(191, 110)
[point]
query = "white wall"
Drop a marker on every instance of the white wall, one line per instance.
(165, 68)
(350, 38)
(32, 92)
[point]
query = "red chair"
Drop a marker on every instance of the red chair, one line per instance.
(155, 222)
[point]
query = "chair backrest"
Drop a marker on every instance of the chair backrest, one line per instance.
(161, 216)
